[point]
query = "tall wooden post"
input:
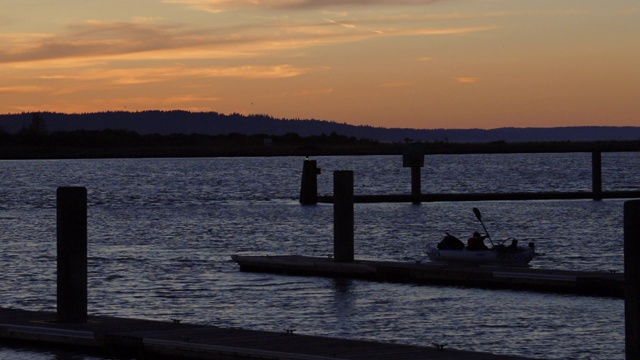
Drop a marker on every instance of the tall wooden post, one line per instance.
(632, 278)
(72, 254)
(413, 157)
(596, 173)
(309, 185)
(416, 188)
(343, 224)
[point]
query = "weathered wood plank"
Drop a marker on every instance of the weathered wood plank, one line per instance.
(402, 198)
(530, 279)
(172, 340)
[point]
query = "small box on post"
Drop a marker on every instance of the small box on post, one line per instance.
(413, 157)
(309, 184)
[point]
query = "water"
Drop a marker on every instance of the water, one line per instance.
(161, 233)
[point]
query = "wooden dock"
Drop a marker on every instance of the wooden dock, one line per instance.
(493, 277)
(118, 337)
(510, 196)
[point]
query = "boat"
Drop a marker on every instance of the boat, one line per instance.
(500, 255)
(452, 250)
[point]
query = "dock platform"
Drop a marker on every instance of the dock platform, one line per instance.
(507, 196)
(119, 337)
(494, 277)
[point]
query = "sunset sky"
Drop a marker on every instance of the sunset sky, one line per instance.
(392, 63)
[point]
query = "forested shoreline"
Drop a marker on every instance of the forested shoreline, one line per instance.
(35, 143)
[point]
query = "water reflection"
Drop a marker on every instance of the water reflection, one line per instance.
(35, 353)
(343, 303)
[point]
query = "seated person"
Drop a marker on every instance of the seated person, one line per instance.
(476, 242)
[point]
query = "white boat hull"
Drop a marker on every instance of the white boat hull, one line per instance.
(505, 257)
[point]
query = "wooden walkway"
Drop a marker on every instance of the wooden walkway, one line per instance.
(495, 277)
(115, 337)
(401, 198)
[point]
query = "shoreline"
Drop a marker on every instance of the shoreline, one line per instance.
(196, 146)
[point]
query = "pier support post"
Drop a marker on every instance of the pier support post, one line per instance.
(309, 185)
(343, 224)
(596, 173)
(416, 188)
(632, 278)
(72, 254)
(413, 157)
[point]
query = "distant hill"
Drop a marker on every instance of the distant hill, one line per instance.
(213, 123)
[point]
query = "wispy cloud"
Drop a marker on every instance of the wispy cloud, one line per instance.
(22, 89)
(218, 6)
(190, 98)
(314, 92)
(92, 38)
(397, 84)
(145, 75)
(191, 102)
(148, 39)
(467, 80)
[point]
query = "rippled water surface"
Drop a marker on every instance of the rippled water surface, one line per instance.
(161, 233)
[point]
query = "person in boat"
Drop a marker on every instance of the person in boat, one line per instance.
(476, 242)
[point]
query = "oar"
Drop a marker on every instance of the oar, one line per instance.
(479, 216)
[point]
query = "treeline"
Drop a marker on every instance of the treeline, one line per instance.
(35, 142)
(214, 123)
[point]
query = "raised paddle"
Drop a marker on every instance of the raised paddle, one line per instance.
(479, 216)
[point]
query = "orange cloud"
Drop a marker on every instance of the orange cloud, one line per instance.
(397, 84)
(22, 89)
(143, 38)
(132, 76)
(93, 38)
(314, 92)
(218, 6)
(467, 80)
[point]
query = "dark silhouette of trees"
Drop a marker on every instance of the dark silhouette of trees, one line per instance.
(36, 141)
(35, 132)
(214, 123)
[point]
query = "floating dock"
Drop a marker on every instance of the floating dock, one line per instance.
(510, 196)
(607, 284)
(145, 339)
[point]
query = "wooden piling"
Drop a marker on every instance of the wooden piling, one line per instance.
(72, 254)
(416, 187)
(413, 157)
(309, 185)
(596, 173)
(632, 278)
(343, 224)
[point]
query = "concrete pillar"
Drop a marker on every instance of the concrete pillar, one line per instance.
(72, 254)
(309, 185)
(596, 173)
(632, 278)
(416, 188)
(343, 224)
